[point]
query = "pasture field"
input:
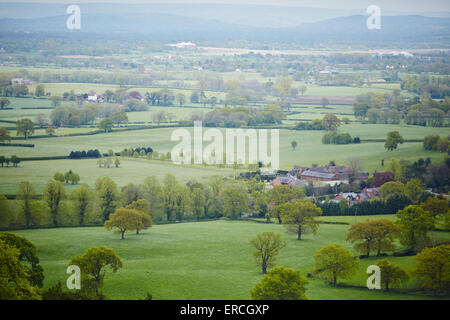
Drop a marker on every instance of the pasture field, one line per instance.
(341, 91)
(28, 103)
(204, 260)
(60, 88)
(130, 170)
(308, 140)
(310, 151)
(17, 114)
(58, 132)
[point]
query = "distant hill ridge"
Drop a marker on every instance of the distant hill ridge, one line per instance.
(171, 27)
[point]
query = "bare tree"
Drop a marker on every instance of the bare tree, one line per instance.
(355, 165)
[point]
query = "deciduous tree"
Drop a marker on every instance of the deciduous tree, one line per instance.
(53, 194)
(93, 263)
(24, 127)
(25, 194)
(280, 194)
(28, 257)
(415, 224)
(267, 245)
(234, 203)
(123, 220)
(280, 284)
(107, 195)
(391, 274)
(299, 216)
(433, 268)
(334, 261)
(391, 188)
(4, 135)
(414, 190)
(14, 283)
(81, 199)
(331, 122)
(198, 202)
(393, 139)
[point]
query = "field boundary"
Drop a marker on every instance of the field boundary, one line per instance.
(16, 145)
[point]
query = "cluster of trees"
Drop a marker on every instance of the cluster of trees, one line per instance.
(140, 150)
(315, 124)
(376, 235)
(240, 117)
(74, 115)
(4, 135)
(431, 175)
(133, 105)
(14, 160)
(427, 114)
(332, 137)
(392, 108)
(168, 201)
(67, 177)
(145, 152)
(162, 116)
(280, 283)
(436, 143)
(91, 153)
(107, 162)
(436, 87)
(7, 90)
(389, 205)
(436, 207)
(133, 217)
(329, 122)
(164, 97)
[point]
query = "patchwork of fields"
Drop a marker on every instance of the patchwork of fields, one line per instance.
(310, 151)
(210, 259)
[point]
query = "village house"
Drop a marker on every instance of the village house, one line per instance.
(290, 180)
(20, 81)
(353, 197)
(95, 98)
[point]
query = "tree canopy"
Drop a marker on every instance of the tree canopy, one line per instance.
(280, 284)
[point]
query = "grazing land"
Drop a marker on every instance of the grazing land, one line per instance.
(205, 260)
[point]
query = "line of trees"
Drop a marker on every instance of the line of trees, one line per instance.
(14, 160)
(168, 201)
(393, 108)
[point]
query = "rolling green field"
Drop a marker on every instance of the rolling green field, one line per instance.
(204, 260)
(340, 91)
(60, 88)
(310, 150)
(130, 170)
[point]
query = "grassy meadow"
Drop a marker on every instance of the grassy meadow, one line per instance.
(310, 151)
(130, 170)
(203, 260)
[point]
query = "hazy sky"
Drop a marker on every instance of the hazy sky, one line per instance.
(388, 5)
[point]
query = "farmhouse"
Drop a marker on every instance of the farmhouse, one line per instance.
(20, 81)
(352, 197)
(327, 173)
(289, 180)
(319, 176)
(95, 98)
